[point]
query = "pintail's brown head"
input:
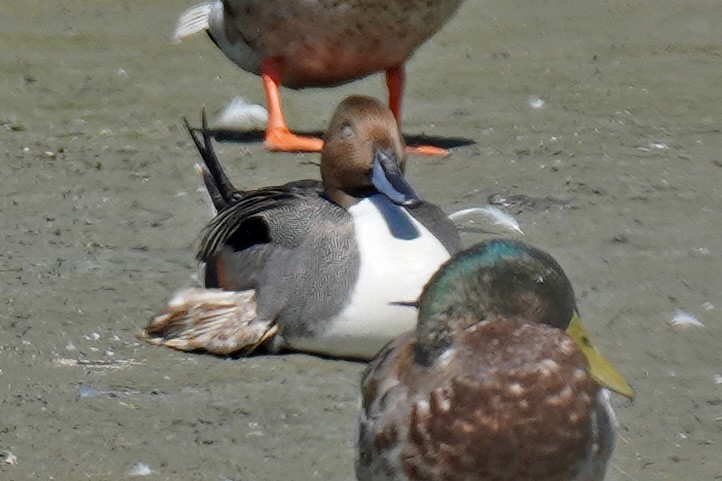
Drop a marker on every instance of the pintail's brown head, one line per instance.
(364, 154)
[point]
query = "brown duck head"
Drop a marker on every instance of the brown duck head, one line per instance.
(364, 154)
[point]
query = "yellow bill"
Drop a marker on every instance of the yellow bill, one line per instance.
(600, 369)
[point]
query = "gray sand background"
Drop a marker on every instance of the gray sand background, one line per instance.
(618, 176)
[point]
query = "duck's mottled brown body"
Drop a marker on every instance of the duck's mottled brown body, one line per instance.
(328, 42)
(473, 423)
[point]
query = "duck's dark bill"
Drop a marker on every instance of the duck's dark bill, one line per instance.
(388, 179)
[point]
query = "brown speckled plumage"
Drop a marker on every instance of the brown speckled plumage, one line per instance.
(327, 42)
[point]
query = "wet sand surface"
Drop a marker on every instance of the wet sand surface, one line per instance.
(617, 175)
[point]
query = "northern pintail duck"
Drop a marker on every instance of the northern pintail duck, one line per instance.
(499, 381)
(318, 43)
(314, 266)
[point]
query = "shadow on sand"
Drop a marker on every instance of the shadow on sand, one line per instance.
(256, 136)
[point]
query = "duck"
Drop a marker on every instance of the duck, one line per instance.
(318, 43)
(313, 266)
(498, 381)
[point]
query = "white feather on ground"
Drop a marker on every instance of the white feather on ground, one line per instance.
(242, 115)
(10, 458)
(683, 320)
(140, 469)
(494, 214)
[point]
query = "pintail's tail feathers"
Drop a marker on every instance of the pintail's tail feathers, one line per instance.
(220, 188)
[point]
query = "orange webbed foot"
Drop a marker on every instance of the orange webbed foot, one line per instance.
(278, 137)
(427, 150)
(283, 140)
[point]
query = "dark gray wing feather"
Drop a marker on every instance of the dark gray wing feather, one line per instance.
(244, 223)
(434, 219)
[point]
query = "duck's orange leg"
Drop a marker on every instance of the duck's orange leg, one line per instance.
(278, 137)
(395, 80)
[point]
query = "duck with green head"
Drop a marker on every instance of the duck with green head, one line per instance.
(498, 382)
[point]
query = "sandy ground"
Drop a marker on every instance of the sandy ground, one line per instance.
(617, 175)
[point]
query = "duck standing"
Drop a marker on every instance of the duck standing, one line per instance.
(314, 266)
(318, 43)
(498, 382)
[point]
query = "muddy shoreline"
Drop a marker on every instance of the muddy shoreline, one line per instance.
(615, 172)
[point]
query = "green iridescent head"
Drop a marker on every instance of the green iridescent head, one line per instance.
(501, 277)
(504, 279)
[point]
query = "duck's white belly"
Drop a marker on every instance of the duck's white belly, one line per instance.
(391, 270)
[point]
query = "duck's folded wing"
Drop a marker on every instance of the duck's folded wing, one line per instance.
(244, 223)
(275, 231)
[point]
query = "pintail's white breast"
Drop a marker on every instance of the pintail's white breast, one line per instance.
(397, 257)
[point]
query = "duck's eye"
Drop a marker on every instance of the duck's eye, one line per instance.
(346, 131)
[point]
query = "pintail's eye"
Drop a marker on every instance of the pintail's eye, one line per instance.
(346, 131)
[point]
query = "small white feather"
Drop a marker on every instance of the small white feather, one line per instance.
(192, 21)
(536, 103)
(140, 469)
(683, 320)
(496, 215)
(242, 115)
(10, 458)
